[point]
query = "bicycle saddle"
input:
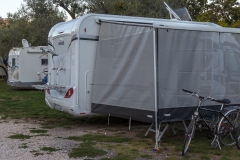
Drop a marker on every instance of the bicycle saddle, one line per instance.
(224, 101)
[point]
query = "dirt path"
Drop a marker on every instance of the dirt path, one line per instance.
(29, 149)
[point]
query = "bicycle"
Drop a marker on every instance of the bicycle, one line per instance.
(222, 129)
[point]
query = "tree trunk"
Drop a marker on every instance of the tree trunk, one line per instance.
(5, 61)
(5, 70)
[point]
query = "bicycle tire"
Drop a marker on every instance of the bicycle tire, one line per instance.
(188, 136)
(238, 137)
(225, 131)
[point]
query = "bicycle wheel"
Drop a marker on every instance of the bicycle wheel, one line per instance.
(188, 136)
(226, 131)
(238, 137)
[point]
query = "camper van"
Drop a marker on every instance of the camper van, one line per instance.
(136, 68)
(124, 66)
(27, 66)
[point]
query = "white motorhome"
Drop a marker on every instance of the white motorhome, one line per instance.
(74, 45)
(27, 66)
(135, 67)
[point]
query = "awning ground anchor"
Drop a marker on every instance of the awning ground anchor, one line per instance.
(161, 133)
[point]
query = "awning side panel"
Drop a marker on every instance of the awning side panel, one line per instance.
(186, 60)
(124, 68)
(230, 66)
(205, 62)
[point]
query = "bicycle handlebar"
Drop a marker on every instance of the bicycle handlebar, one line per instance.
(223, 101)
(193, 93)
(190, 92)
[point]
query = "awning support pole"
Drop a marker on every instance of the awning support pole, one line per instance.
(155, 87)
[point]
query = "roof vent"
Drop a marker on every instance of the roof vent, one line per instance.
(25, 43)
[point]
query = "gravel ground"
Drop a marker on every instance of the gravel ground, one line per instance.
(30, 149)
(12, 149)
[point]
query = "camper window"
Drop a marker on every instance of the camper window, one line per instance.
(13, 62)
(44, 62)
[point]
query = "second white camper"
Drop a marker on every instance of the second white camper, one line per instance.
(27, 66)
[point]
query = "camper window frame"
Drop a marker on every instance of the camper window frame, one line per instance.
(13, 62)
(44, 63)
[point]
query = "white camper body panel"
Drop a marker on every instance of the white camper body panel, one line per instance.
(75, 44)
(26, 66)
(78, 58)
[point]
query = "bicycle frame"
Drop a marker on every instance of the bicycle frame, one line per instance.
(218, 129)
(213, 130)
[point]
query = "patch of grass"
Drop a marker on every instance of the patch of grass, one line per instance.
(48, 127)
(92, 143)
(30, 104)
(42, 134)
(59, 137)
(86, 149)
(146, 156)
(37, 154)
(19, 136)
(23, 145)
(205, 157)
(100, 138)
(49, 149)
(226, 158)
(38, 131)
(86, 152)
(126, 151)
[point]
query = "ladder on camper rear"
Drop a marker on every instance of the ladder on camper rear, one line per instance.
(55, 84)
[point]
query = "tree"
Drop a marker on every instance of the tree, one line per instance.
(73, 7)
(2, 22)
(142, 8)
(32, 21)
(43, 15)
(11, 34)
(223, 12)
(196, 7)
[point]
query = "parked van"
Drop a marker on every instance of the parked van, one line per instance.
(27, 66)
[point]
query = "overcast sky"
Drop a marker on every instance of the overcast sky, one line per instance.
(10, 6)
